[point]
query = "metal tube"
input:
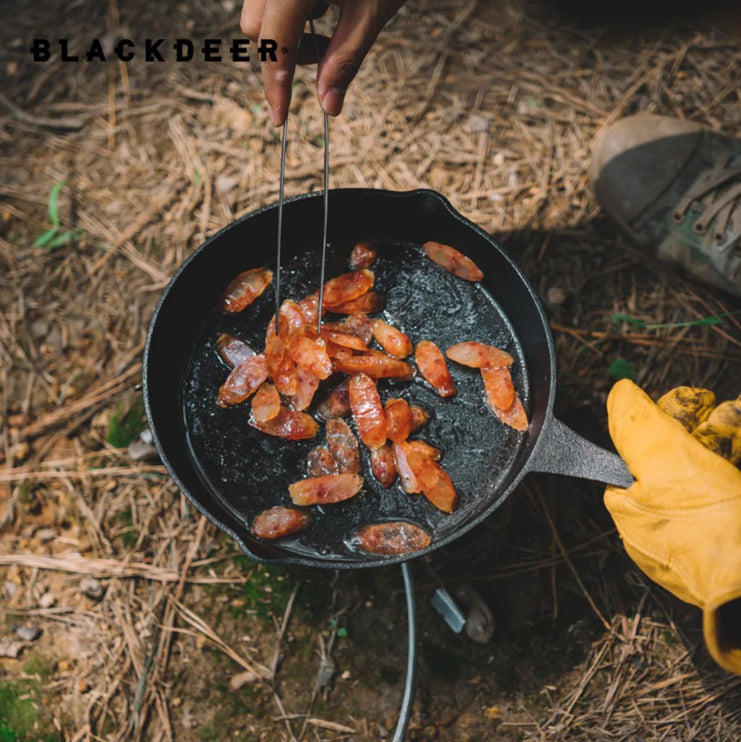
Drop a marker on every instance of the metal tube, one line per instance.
(405, 712)
(326, 198)
(280, 219)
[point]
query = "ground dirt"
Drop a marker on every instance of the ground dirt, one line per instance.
(494, 104)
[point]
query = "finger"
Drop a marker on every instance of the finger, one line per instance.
(637, 427)
(357, 29)
(250, 20)
(283, 21)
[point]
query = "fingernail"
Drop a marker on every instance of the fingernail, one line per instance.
(274, 116)
(332, 101)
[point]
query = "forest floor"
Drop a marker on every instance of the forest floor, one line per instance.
(152, 621)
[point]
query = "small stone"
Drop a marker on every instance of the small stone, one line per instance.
(479, 123)
(241, 679)
(327, 669)
(139, 450)
(54, 341)
(63, 666)
(177, 701)
(10, 648)
(45, 534)
(480, 623)
(39, 328)
(92, 588)
(47, 600)
(28, 633)
(556, 296)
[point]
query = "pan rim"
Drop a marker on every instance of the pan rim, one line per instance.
(227, 521)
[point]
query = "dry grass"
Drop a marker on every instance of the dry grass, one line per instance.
(492, 103)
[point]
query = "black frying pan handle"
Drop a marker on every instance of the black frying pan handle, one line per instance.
(562, 451)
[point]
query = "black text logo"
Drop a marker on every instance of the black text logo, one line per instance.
(156, 50)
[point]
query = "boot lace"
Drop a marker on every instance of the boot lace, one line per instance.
(718, 193)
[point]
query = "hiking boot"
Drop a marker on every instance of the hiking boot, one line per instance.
(675, 187)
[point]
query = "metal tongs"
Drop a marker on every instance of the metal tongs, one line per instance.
(318, 11)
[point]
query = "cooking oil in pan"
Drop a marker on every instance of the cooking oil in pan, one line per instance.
(250, 471)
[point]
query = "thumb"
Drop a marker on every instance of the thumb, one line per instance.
(358, 27)
(652, 443)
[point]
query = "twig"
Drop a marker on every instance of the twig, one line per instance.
(105, 471)
(161, 657)
(570, 564)
(259, 671)
(532, 565)
(103, 568)
(321, 723)
(643, 340)
(156, 205)
(62, 123)
(101, 392)
(282, 631)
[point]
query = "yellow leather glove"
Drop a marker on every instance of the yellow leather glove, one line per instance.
(681, 520)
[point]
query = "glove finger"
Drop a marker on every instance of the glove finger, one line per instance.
(654, 445)
(721, 432)
(690, 405)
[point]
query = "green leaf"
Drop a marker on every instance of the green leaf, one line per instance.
(127, 423)
(44, 239)
(620, 317)
(54, 203)
(61, 239)
(621, 369)
(716, 319)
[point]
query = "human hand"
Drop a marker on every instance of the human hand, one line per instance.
(284, 20)
(680, 521)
